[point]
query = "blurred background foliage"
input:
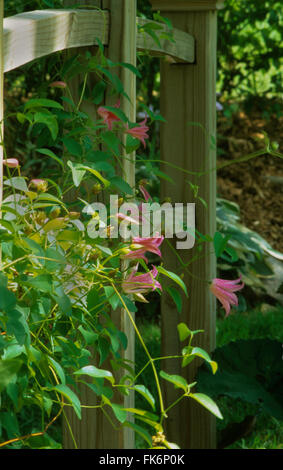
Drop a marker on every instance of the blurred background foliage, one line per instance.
(249, 80)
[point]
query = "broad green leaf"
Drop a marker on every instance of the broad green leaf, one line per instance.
(42, 282)
(112, 141)
(49, 120)
(204, 355)
(96, 174)
(174, 277)
(112, 297)
(220, 243)
(249, 370)
(71, 396)
(177, 380)
(7, 299)
(146, 394)
(18, 182)
(55, 224)
(139, 430)
(17, 326)
(8, 371)
(42, 103)
(49, 197)
(175, 294)
(184, 331)
(93, 371)
(58, 369)
(208, 403)
(73, 147)
(51, 154)
(89, 336)
(119, 412)
(121, 184)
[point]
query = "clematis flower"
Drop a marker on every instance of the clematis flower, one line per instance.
(144, 192)
(39, 184)
(142, 245)
(141, 283)
(58, 84)
(224, 292)
(108, 116)
(11, 163)
(139, 132)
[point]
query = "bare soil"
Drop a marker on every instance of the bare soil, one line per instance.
(256, 185)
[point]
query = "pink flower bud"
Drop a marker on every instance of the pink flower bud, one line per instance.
(58, 84)
(11, 163)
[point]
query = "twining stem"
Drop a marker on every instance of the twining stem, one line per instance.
(34, 434)
(146, 351)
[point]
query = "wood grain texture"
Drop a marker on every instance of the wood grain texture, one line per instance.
(188, 95)
(122, 48)
(31, 35)
(181, 50)
(94, 431)
(187, 5)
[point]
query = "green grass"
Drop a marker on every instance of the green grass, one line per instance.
(268, 432)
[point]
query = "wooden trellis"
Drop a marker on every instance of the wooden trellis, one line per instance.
(187, 95)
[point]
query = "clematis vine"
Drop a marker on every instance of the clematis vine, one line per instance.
(144, 191)
(139, 132)
(108, 116)
(141, 245)
(141, 283)
(224, 292)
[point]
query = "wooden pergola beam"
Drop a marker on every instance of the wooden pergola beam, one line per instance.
(31, 35)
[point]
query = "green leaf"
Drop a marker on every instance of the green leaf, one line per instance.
(8, 371)
(146, 394)
(51, 154)
(17, 326)
(18, 182)
(93, 371)
(71, 396)
(73, 147)
(112, 141)
(49, 120)
(42, 282)
(7, 299)
(250, 370)
(208, 403)
(121, 185)
(119, 412)
(77, 173)
(58, 369)
(98, 92)
(184, 331)
(139, 430)
(42, 103)
(177, 380)
(112, 297)
(220, 243)
(174, 277)
(175, 294)
(204, 355)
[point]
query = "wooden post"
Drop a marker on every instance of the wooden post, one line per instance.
(94, 431)
(1, 107)
(188, 95)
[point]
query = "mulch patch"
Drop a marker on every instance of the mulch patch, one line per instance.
(255, 185)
